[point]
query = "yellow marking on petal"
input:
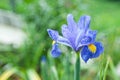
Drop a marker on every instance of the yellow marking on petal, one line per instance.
(92, 48)
(53, 42)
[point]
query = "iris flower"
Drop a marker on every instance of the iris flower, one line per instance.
(78, 36)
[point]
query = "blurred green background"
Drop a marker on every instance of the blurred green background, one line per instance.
(25, 45)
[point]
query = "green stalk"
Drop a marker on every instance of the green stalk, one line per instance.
(77, 67)
(106, 68)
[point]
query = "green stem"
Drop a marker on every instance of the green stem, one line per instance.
(106, 68)
(77, 67)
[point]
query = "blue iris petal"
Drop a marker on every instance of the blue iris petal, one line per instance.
(100, 49)
(70, 31)
(84, 22)
(70, 35)
(92, 34)
(86, 54)
(83, 37)
(87, 39)
(55, 52)
(56, 37)
(53, 34)
(65, 32)
(64, 41)
(71, 23)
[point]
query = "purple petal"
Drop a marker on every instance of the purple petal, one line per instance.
(71, 36)
(59, 39)
(71, 22)
(53, 34)
(65, 31)
(84, 22)
(100, 49)
(92, 34)
(86, 54)
(55, 52)
(63, 41)
(86, 39)
(89, 37)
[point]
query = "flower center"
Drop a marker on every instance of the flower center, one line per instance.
(92, 48)
(53, 42)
